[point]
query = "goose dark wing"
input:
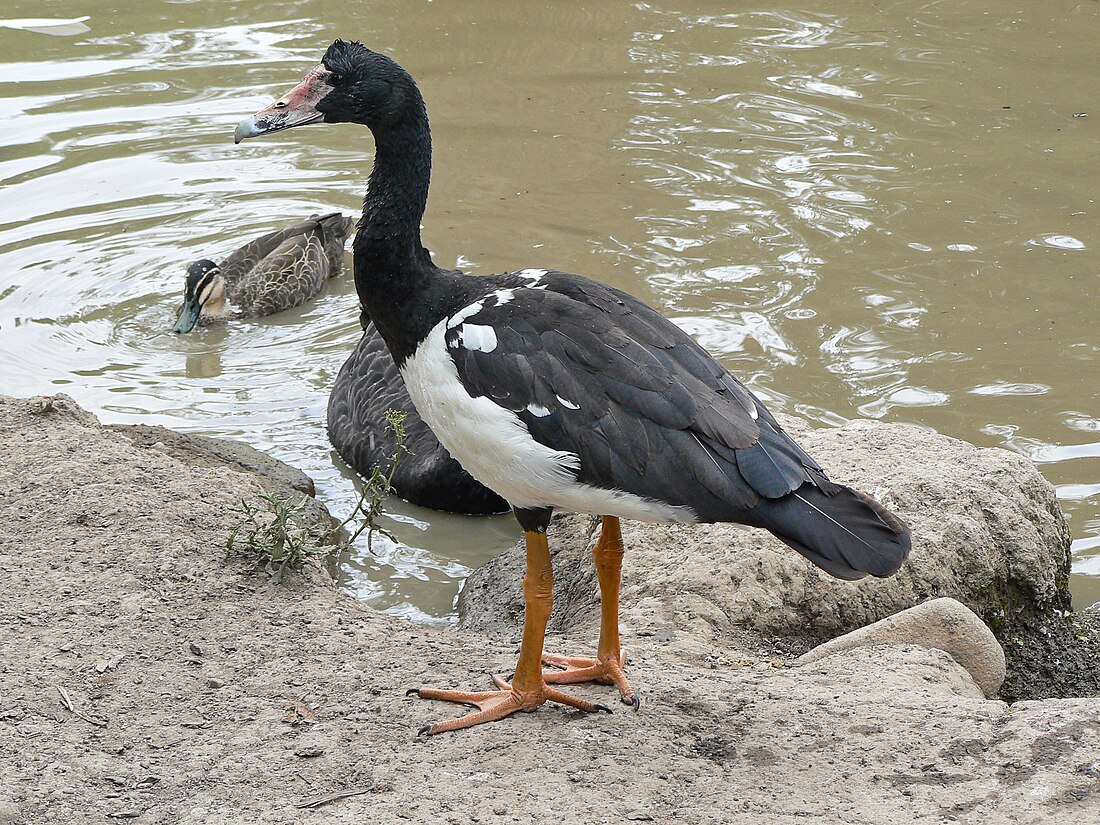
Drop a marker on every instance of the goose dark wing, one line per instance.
(593, 371)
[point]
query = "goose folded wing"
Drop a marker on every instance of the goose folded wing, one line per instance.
(592, 371)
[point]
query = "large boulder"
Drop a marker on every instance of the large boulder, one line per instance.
(209, 451)
(943, 624)
(986, 531)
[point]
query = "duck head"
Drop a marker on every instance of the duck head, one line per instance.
(203, 294)
(352, 84)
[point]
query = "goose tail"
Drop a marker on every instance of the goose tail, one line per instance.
(843, 531)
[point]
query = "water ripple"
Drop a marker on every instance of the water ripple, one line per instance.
(848, 210)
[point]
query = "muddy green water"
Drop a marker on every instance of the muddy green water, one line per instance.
(877, 210)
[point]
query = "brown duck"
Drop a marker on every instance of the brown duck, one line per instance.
(284, 269)
(279, 270)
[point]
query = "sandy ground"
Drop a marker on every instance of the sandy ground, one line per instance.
(147, 679)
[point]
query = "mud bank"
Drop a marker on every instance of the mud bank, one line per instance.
(146, 679)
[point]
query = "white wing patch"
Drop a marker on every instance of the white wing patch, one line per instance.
(569, 405)
(537, 410)
(476, 337)
(464, 313)
(501, 296)
(533, 277)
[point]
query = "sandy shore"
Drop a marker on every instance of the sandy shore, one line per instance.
(147, 679)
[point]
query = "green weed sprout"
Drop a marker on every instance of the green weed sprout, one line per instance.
(377, 487)
(273, 534)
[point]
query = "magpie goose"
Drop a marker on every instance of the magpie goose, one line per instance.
(558, 392)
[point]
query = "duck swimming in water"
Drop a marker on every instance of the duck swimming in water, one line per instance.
(559, 392)
(285, 268)
(276, 271)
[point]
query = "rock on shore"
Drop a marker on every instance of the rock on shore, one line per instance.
(987, 531)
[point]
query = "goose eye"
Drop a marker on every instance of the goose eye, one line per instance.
(335, 79)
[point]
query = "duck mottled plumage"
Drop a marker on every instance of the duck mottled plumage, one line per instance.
(276, 271)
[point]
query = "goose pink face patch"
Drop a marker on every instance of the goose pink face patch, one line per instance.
(295, 108)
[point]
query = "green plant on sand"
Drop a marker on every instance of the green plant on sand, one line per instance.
(377, 487)
(275, 534)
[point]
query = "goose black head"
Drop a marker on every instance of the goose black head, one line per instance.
(352, 84)
(203, 292)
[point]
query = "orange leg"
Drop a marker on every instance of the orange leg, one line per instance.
(527, 690)
(607, 667)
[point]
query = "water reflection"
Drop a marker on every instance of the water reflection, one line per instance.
(1057, 242)
(58, 27)
(203, 365)
(427, 562)
(863, 212)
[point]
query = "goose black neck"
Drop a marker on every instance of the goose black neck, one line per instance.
(398, 189)
(394, 277)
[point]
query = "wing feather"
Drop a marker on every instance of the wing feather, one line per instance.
(592, 371)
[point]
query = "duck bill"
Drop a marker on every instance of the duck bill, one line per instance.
(296, 108)
(189, 316)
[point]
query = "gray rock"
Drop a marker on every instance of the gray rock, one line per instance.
(987, 531)
(944, 624)
(208, 451)
(895, 674)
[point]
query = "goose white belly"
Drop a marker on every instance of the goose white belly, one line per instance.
(495, 446)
